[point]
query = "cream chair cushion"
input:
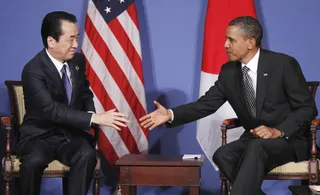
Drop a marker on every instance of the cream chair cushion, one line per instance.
(54, 167)
(291, 168)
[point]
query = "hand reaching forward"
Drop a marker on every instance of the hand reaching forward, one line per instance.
(266, 132)
(156, 118)
(110, 118)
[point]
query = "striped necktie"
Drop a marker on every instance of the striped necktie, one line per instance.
(250, 94)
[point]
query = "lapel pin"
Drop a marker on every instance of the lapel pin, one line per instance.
(77, 68)
(265, 74)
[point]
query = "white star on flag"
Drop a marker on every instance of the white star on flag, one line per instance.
(107, 10)
(121, 1)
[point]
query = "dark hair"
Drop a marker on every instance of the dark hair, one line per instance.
(51, 25)
(251, 27)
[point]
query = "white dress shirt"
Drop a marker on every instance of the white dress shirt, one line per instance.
(59, 66)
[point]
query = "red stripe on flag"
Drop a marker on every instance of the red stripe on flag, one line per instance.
(219, 15)
(107, 149)
(115, 71)
(108, 104)
(127, 46)
(132, 13)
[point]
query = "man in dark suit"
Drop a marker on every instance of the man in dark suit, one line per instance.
(270, 96)
(59, 109)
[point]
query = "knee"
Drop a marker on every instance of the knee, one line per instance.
(33, 162)
(218, 156)
(256, 143)
(88, 155)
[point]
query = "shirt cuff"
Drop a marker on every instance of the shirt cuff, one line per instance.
(172, 116)
(91, 117)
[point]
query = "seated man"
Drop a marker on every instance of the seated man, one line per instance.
(59, 109)
(270, 96)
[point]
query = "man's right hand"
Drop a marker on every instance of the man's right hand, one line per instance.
(156, 118)
(110, 118)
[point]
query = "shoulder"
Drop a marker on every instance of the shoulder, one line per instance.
(34, 62)
(276, 56)
(78, 59)
(230, 67)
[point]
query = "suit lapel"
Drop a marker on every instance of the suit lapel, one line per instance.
(263, 79)
(52, 73)
(74, 78)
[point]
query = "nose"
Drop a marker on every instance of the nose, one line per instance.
(226, 44)
(75, 43)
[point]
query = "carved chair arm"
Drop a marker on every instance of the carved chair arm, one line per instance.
(231, 123)
(228, 124)
(7, 162)
(316, 123)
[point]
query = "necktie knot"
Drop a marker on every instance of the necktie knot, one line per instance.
(245, 70)
(64, 69)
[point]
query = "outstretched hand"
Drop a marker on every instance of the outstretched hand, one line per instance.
(156, 118)
(111, 118)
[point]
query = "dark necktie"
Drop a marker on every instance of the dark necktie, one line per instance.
(66, 82)
(250, 94)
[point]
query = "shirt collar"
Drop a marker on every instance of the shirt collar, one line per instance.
(57, 63)
(253, 63)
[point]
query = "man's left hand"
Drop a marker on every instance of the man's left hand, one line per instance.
(266, 132)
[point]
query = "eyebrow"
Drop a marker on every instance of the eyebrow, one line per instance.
(230, 38)
(72, 36)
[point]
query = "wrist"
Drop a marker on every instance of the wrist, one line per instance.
(277, 133)
(169, 115)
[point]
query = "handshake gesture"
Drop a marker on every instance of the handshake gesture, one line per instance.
(110, 118)
(156, 118)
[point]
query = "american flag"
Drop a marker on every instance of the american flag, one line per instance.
(111, 46)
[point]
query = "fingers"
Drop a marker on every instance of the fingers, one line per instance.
(148, 123)
(116, 127)
(156, 104)
(112, 110)
(145, 117)
(119, 124)
(260, 128)
(125, 120)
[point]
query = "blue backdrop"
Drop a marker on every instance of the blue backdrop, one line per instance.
(172, 36)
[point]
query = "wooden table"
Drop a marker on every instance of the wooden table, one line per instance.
(158, 170)
(301, 190)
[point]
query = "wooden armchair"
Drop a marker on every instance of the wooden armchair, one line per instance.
(305, 170)
(10, 162)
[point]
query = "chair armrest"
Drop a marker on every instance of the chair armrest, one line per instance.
(7, 162)
(316, 123)
(97, 174)
(229, 123)
(6, 125)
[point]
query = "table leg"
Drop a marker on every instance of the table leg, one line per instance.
(194, 190)
(128, 190)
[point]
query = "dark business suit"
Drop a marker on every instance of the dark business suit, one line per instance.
(283, 101)
(52, 128)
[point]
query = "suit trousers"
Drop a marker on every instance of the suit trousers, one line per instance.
(37, 153)
(246, 161)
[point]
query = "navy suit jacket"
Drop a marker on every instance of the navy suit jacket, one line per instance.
(46, 102)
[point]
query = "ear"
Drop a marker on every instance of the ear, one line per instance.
(51, 41)
(251, 43)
